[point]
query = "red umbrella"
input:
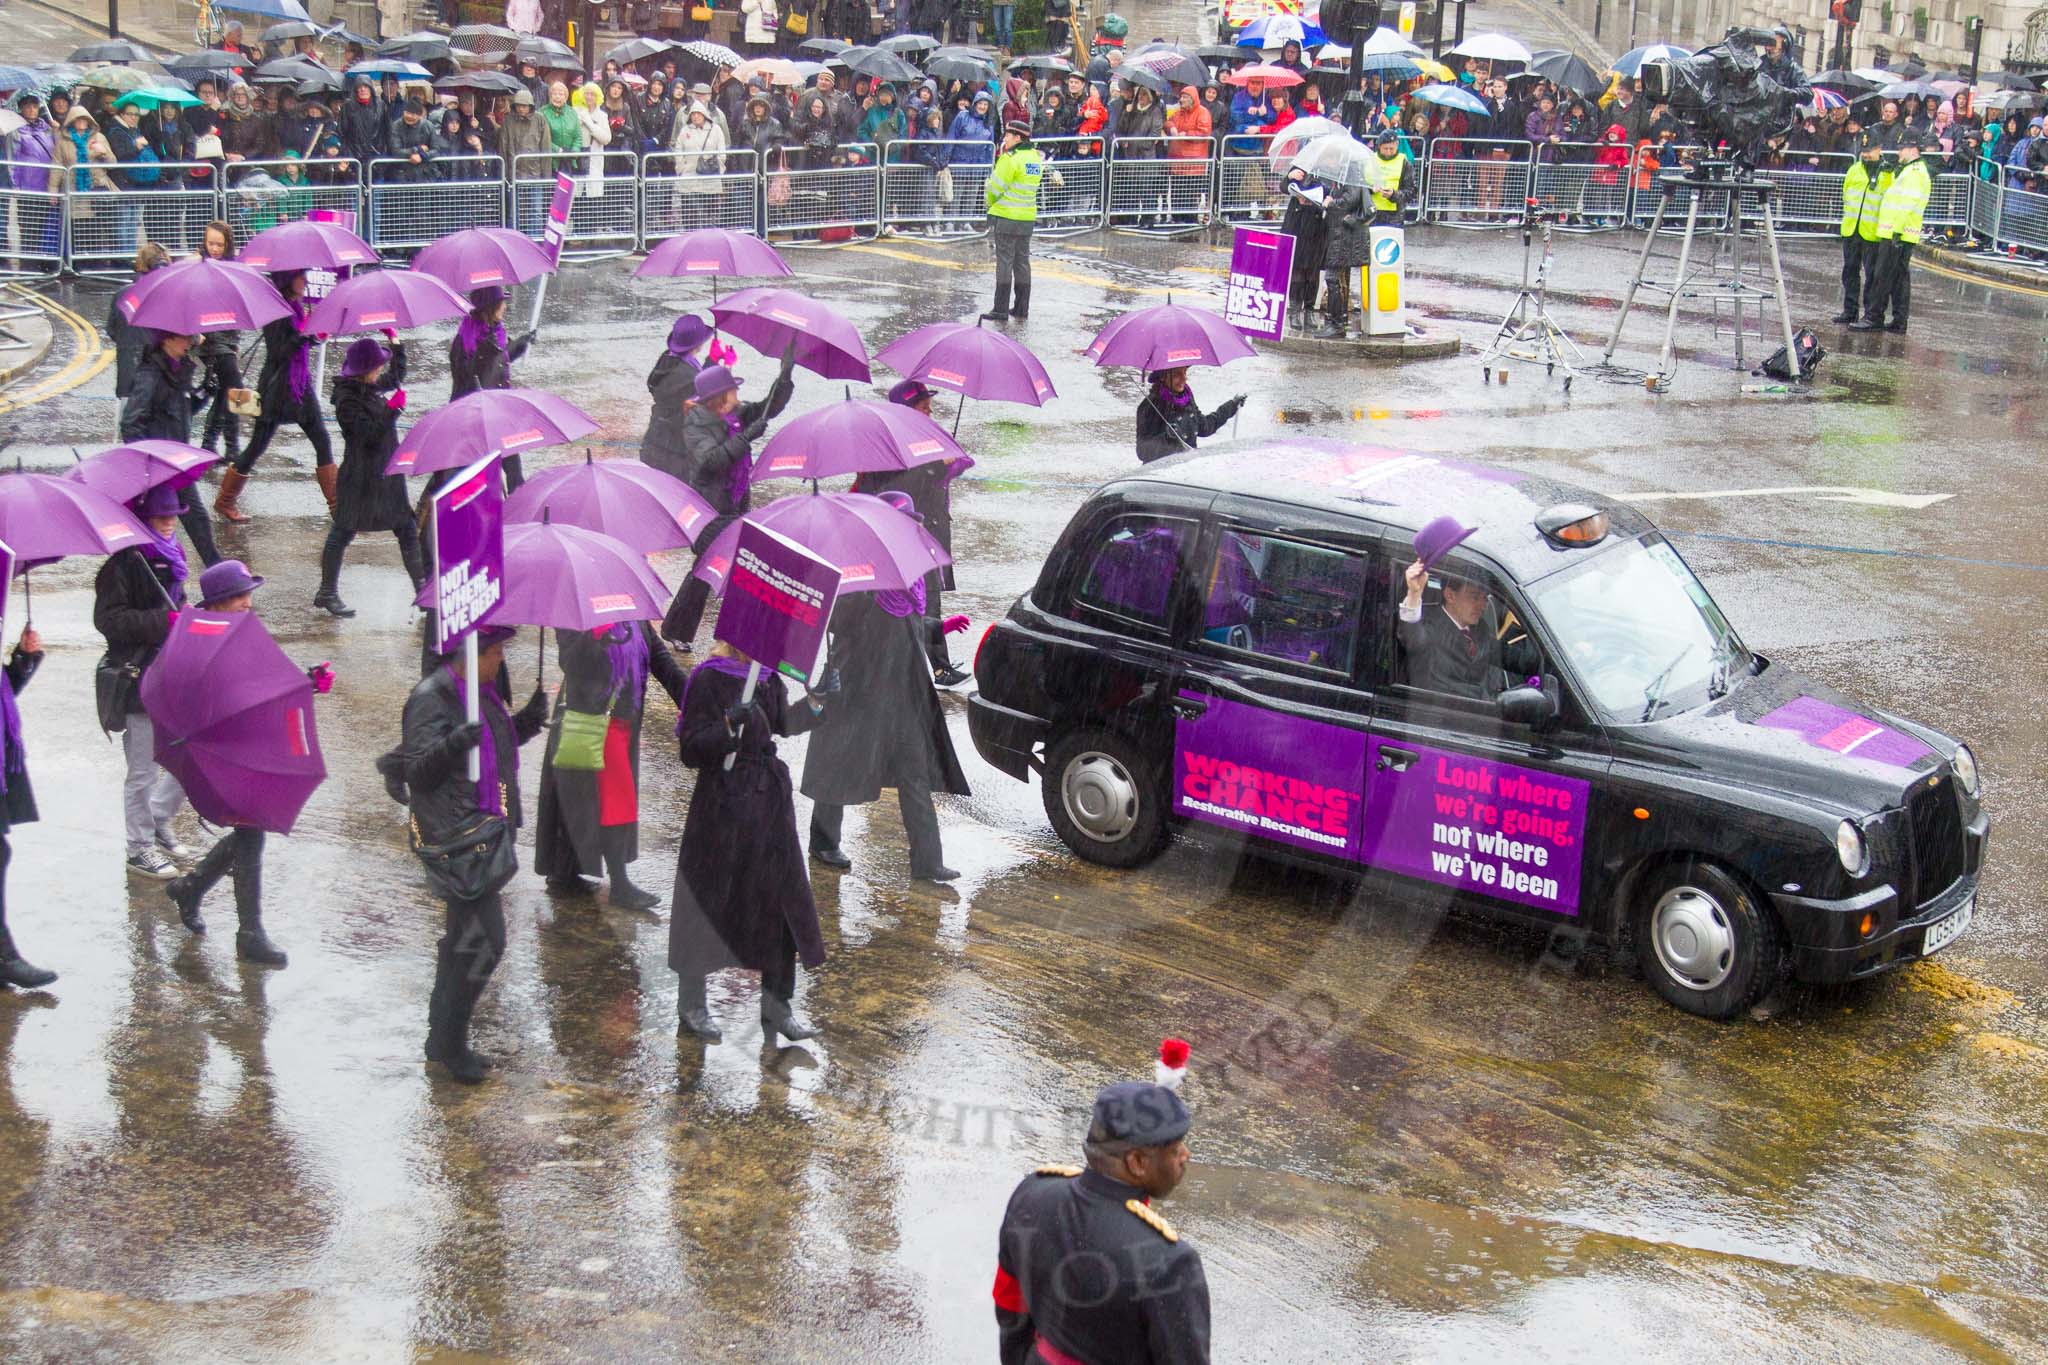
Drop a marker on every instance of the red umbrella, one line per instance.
(128, 471)
(202, 295)
(854, 437)
(377, 299)
(476, 257)
(1168, 336)
(488, 422)
(1271, 75)
(624, 499)
(774, 320)
(306, 245)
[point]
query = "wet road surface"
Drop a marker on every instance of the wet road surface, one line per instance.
(1418, 1137)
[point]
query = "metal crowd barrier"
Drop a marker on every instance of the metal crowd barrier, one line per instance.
(1584, 192)
(604, 216)
(1487, 188)
(2020, 219)
(833, 203)
(411, 205)
(684, 191)
(1650, 164)
(1948, 203)
(172, 210)
(1248, 189)
(947, 201)
(1809, 197)
(1074, 187)
(32, 220)
(261, 194)
(1156, 194)
(1987, 199)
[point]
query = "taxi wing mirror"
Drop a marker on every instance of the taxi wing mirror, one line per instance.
(1535, 707)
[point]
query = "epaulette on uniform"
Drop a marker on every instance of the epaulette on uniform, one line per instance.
(1068, 1171)
(1151, 1219)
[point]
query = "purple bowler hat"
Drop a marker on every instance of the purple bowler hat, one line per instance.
(1439, 538)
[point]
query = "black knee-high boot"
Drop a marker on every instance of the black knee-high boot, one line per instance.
(13, 970)
(612, 841)
(693, 1012)
(251, 943)
(187, 891)
(778, 986)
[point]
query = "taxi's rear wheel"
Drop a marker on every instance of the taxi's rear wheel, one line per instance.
(1705, 943)
(1104, 798)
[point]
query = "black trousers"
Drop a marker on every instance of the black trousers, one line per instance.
(239, 853)
(198, 525)
(305, 415)
(1893, 288)
(1012, 242)
(7, 952)
(469, 951)
(338, 538)
(686, 612)
(1859, 268)
(920, 823)
(221, 424)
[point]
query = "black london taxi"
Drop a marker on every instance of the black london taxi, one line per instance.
(1233, 641)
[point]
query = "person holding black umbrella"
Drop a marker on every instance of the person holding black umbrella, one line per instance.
(17, 802)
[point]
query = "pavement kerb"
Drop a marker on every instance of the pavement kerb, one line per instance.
(136, 30)
(1987, 268)
(17, 364)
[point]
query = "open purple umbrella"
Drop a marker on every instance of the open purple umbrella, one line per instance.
(377, 299)
(713, 252)
(476, 257)
(772, 320)
(971, 361)
(202, 295)
(1168, 336)
(487, 422)
(876, 547)
(571, 579)
(234, 721)
(624, 499)
(306, 245)
(128, 471)
(44, 517)
(853, 437)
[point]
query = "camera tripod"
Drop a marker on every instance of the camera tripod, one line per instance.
(1716, 277)
(1528, 333)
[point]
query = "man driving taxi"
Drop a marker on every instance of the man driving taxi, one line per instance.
(1456, 646)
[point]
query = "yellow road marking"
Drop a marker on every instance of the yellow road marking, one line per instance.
(1039, 269)
(90, 358)
(1985, 280)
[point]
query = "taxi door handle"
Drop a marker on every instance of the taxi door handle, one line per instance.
(1189, 709)
(1400, 760)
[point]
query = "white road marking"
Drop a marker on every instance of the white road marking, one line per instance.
(1862, 497)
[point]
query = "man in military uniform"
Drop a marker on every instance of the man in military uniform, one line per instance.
(1086, 1272)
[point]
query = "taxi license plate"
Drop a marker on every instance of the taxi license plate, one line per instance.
(1941, 933)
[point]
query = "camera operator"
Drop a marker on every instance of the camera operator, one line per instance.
(1898, 232)
(1781, 60)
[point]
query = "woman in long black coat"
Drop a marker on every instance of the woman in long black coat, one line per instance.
(367, 402)
(285, 389)
(480, 357)
(886, 730)
(18, 802)
(1170, 420)
(590, 821)
(671, 385)
(742, 897)
(158, 406)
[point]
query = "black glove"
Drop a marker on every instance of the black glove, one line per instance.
(829, 685)
(738, 714)
(536, 709)
(751, 432)
(464, 737)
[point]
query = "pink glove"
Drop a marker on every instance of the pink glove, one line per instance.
(390, 334)
(954, 625)
(721, 354)
(323, 679)
(173, 614)
(396, 402)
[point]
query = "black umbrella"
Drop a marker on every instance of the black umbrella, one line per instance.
(326, 83)
(1050, 64)
(1172, 61)
(1909, 90)
(877, 65)
(1568, 72)
(547, 52)
(639, 50)
(911, 45)
(485, 37)
(119, 50)
(2006, 80)
(823, 47)
(1844, 82)
(960, 68)
(483, 82)
(288, 30)
(288, 71)
(350, 38)
(1147, 77)
(1215, 53)
(1908, 71)
(416, 47)
(193, 65)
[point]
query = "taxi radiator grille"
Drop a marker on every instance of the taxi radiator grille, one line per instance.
(1937, 826)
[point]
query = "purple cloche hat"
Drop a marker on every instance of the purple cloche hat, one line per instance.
(364, 355)
(160, 501)
(1439, 538)
(713, 380)
(229, 578)
(909, 392)
(689, 332)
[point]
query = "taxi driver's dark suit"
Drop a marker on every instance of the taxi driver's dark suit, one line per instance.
(1445, 657)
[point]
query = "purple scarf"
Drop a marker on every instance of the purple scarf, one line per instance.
(473, 331)
(300, 370)
(490, 797)
(167, 551)
(628, 648)
(906, 603)
(742, 477)
(10, 728)
(1178, 400)
(732, 668)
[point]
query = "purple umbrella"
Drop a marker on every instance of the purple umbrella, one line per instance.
(853, 437)
(202, 295)
(571, 579)
(128, 471)
(876, 547)
(713, 252)
(306, 245)
(624, 499)
(487, 422)
(44, 517)
(972, 362)
(1168, 336)
(377, 299)
(234, 721)
(773, 320)
(476, 257)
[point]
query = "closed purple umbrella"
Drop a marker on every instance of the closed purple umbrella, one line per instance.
(773, 320)
(571, 579)
(876, 547)
(713, 252)
(1167, 337)
(202, 295)
(853, 437)
(306, 245)
(377, 299)
(476, 257)
(128, 471)
(624, 499)
(234, 721)
(489, 421)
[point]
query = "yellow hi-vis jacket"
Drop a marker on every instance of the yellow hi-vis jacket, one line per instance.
(1383, 178)
(1862, 195)
(1012, 187)
(1905, 203)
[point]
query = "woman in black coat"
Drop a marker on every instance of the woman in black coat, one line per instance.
(742, 898)
(367, 402)
(285, 388)
(670, 385)
(1347, 243)
(481, 358)
(159, 407)
(17, 802)
(1169, 419)
(1304, 221)
(590, 820)
(221, 353)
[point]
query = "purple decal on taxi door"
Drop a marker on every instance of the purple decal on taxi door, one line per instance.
(1514, 833)
(1827, 726)
(1296, 781)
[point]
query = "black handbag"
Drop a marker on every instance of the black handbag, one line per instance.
(112, 685)
(476, 863)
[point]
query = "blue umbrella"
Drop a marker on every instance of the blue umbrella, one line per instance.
(1453, 97)
(1275, 29)
(1384, 64)
(1631, 62)
(270, 9)
(14, 78)
(389, 66)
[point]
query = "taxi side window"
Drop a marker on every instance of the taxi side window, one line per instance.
(1284, 599)
(1132, 571)
(1467, 640)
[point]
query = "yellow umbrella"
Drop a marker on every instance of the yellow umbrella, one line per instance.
(1435, 70)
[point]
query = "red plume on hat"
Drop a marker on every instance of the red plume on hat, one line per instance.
(1173, 1062)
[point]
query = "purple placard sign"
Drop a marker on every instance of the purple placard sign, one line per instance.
(1838, 730)
(1260, 262)
(469, 551)
(1517, 834)
(557, 229)
(778, 603)
(1284, 778)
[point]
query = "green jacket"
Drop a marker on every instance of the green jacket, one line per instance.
(1905, 203)
(1861, 199)
(563, 129)
(1012, 187)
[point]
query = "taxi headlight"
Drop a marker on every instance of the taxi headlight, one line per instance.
(1965, 764)
(1850, 848)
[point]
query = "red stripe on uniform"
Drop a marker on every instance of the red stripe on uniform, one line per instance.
(1009, 1295)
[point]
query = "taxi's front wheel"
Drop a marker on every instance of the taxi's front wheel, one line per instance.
(1704, 942)
(1104, 798)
